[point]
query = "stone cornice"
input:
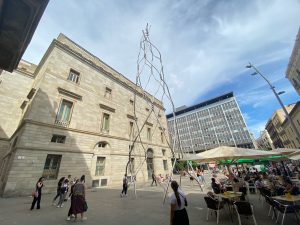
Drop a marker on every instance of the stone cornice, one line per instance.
(25, 121)
(108, 108)
(149, 124)
(81, 152)
(69, 93)
(131, 117)
(4, 139)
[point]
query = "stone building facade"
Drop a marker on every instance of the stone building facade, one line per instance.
(292, 141)
(274, 127)
(74, 114)
(265, 141)
(293, 69)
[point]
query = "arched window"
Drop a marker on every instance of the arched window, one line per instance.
(150, 166)
(102, 144)
(150, 153)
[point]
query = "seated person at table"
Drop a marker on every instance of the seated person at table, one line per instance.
(258, 183)
(217, 188)
(237, 184)
(290, 188)
(247, 177)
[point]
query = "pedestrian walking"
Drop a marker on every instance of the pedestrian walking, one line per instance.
(153, 179)
(71, 195)
(79, 196)
(82, 178)
(37, 195)
(63, 190)
(60, 182)
(202, 176)
(178, 215)
(125, 186)
(68, 187)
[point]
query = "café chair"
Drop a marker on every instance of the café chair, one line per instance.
(271, 202)
(284, 209)
(244, 209)
(213, 205)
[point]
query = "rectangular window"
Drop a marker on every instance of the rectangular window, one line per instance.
(100, 166)
(131, 165)
(105, 122)
(163, 152)
(64, 112)
(58, 138)
(51, 166)
(149, 134)
(131, 105)
(131, 135)
(165, 164)
(162, 137)
(107, 93)
(95, 183)
(74, 76)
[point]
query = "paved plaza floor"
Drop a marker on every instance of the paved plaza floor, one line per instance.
(107, 208)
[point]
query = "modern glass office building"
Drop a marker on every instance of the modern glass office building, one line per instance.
(213, 123)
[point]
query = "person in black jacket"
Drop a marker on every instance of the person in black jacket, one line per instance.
(153, 179)
(37, 194)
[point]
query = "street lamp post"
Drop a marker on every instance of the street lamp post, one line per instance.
(277, 96)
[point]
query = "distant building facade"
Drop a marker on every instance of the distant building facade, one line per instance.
(275, 129)
(290, 135)
(265, 141)
(293, 69)
(210, 124)
(73, 114)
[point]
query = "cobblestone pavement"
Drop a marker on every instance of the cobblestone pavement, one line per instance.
(106, 207)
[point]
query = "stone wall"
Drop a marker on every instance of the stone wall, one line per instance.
(80, 150)
(13, 91)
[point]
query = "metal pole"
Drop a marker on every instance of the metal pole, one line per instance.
(279, 100)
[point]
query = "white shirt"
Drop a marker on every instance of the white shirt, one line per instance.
(173, 200)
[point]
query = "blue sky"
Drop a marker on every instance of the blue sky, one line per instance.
(205, 44)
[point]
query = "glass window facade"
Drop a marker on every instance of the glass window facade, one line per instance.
(211, 125)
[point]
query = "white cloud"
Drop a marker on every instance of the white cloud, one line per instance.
(256, 128)
(204, 44)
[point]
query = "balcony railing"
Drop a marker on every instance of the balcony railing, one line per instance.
(62, 123)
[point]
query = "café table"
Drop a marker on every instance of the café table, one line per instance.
(290, 199)
(229, 195)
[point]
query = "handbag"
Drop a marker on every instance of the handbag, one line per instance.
(35, 194)
(85, 206)
(185, 201)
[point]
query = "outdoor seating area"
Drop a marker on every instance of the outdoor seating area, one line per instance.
(234, 183)
(238, 204)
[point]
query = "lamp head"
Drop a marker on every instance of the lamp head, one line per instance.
(281, 92)
(253, 74)
(249, 66)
